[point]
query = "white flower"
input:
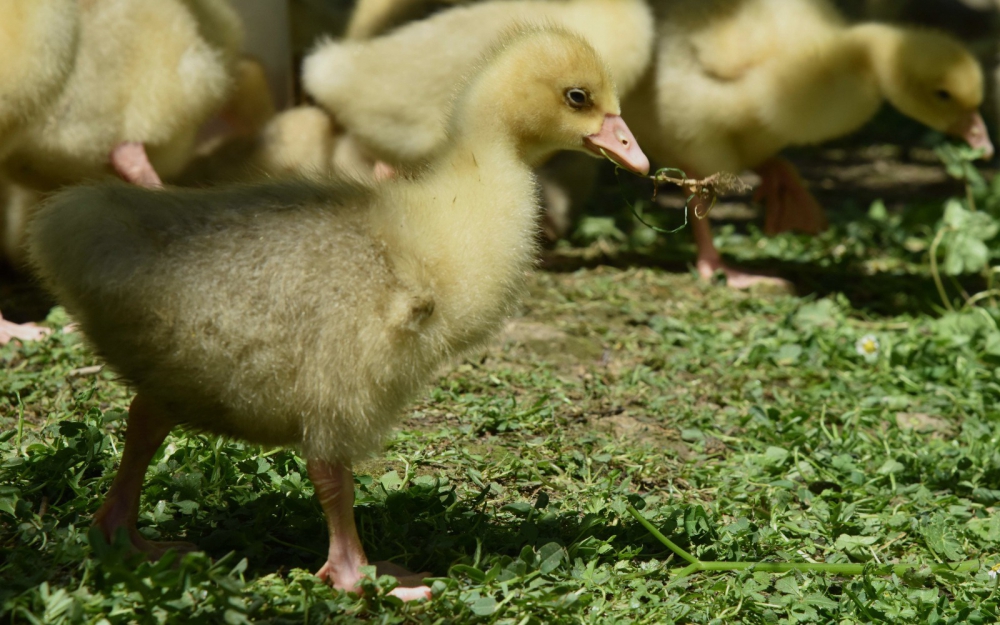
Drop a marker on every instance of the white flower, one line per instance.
(867, 346)
(992, 573)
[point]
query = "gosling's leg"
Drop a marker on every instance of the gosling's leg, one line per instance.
(709, 260)
(789, 205)
(148, 425)
(132, 163)
(334, 485)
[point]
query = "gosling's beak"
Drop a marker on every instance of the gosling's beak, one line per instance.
(972, 128)
(616, 142)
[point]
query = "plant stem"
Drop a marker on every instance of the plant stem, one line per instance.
(663, 539)
(934, 268)
(991, 293)
(695, 565)
(20, 423)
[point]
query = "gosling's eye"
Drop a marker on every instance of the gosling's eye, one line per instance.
(577, 98)
(943, 95)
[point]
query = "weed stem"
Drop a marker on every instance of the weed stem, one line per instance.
(695, 565)
(934, 268)
(663, 539)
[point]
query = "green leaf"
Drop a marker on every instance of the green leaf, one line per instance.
(877, 211)
(484, 606)
(521, 508)
(813, 316)
(551, 555)
(472, 572)
(787, 585)
(856, 546)
(965, 254)
(232, 617)
(391, 481)
(593, 229)
(941, 538)
(964, 241)
(8, 503)
(187, 507)
(955, 215)
(775, 456)
(891, 466)
(787, 354)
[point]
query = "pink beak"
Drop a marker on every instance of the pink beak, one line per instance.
(615, 141)
(972, 128)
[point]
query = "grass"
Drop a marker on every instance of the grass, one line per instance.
(744, 427)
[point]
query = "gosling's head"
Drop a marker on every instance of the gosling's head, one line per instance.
(553, 92)
(932, 78)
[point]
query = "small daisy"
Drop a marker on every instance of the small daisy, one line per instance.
(993, 572)
(867, 346)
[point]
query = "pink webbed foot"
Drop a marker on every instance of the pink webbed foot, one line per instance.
(789, 205)
(131, 162)
(147, 427)
(21, 331)
(153, 549)
(335, 489)
(405, 577)
(415, 593)
(709, 262)
(738, 279)
(411, 586)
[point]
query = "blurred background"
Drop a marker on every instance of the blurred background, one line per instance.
(883, 186)
(977, 22)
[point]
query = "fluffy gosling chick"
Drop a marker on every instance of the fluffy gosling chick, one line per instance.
(309, 314)
(87, 88)
(38, 42)
(393, 94)
(145, 77)
(736, 81)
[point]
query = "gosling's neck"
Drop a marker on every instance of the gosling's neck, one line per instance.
(880, 44)
(466, 229)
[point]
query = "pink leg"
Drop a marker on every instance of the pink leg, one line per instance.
(335, 488)
(710, 262)
(20, 331)
(131, 163)
(789, 205)
(147, 427)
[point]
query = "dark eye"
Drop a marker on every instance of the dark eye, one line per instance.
(943, 94)
(577, 98)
